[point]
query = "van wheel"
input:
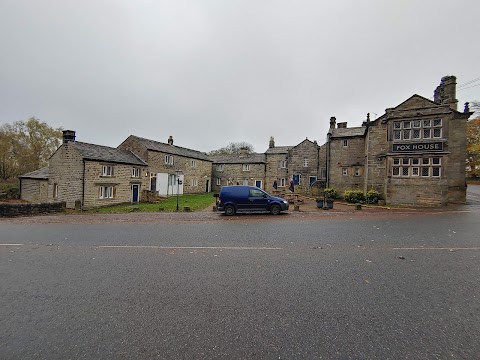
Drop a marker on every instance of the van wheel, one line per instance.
(229, 210)
(275, 209)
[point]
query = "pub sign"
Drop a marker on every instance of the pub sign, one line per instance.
(417, 147)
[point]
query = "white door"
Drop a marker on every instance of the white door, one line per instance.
(162, 184)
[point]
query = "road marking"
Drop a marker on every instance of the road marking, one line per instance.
(190, 247)
(435, 248)
(11, 244)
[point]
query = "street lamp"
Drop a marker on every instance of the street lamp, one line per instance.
(177, 177)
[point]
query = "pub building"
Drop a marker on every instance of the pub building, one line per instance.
(414, 154)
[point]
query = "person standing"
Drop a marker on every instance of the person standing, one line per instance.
(291, 187)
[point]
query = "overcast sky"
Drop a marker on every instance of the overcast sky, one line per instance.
(219, 71)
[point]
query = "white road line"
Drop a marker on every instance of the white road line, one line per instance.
(435, 248)
(11, 244)
(190, 247)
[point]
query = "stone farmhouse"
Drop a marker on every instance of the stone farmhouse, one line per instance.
(168, 163)
(86, 176)
(414, 154)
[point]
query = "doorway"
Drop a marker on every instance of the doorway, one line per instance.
(135, 192)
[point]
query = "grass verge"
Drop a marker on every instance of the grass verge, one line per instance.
(195, 202)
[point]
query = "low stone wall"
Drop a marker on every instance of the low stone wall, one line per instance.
(9, 209)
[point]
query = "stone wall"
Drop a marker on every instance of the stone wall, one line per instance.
(34, 190)
(66, 170)
(457, 187)
(350, 158)
(121, 181)
(200, 170)
(275, 171)
(10, 210)
(235, 173)
(376, 149)
(297, 155)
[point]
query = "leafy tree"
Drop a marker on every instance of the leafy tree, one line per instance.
(26, 146)
(473, 146)
(233, 148)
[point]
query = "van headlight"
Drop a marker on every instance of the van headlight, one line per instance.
(285, 201)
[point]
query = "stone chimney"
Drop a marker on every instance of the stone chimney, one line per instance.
(170, 140)
(271, 144)
(342, 125)
(445, 93)
(333, 120)
(244, 151)
(68, 135)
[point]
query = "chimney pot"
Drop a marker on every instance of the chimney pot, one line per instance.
(68, 135)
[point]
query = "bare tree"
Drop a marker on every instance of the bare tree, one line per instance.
(233, 148)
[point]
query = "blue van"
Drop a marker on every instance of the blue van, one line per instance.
(248, 198)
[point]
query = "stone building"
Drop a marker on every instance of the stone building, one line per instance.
(414, 154)
(88, 176)
(34, 186)
(345, 149)
(299, 164)
(172, 168)
(243, 169)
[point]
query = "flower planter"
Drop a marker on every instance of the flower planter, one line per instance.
(329, 204)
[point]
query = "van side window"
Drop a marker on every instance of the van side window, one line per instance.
(256, 193)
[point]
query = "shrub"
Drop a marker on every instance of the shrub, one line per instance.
(331, 193)
(354, 196)
(372, 197)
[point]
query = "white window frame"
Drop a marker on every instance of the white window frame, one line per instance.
(168, 159)
(282, 164)
(194, 163)
(345, 143)
(246, 167)
(344, 171)
(135, 172)
(281, 182)
(55, 190)
(105, 192)
(356, 172)
(194, 182)
(219, 181)
(422, 129)
(107, 170)
(323, 172)
(305, 162)
(219, 167)
(416, 167)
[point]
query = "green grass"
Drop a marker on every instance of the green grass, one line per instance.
(194, 201)
(8, 184)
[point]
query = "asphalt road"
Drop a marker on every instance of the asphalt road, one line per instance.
(353, 285)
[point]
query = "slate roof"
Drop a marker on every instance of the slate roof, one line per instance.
(347, 132)
(239, 159)
(41, 174)
(105, 153)
(171, 149)
(278, 150)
